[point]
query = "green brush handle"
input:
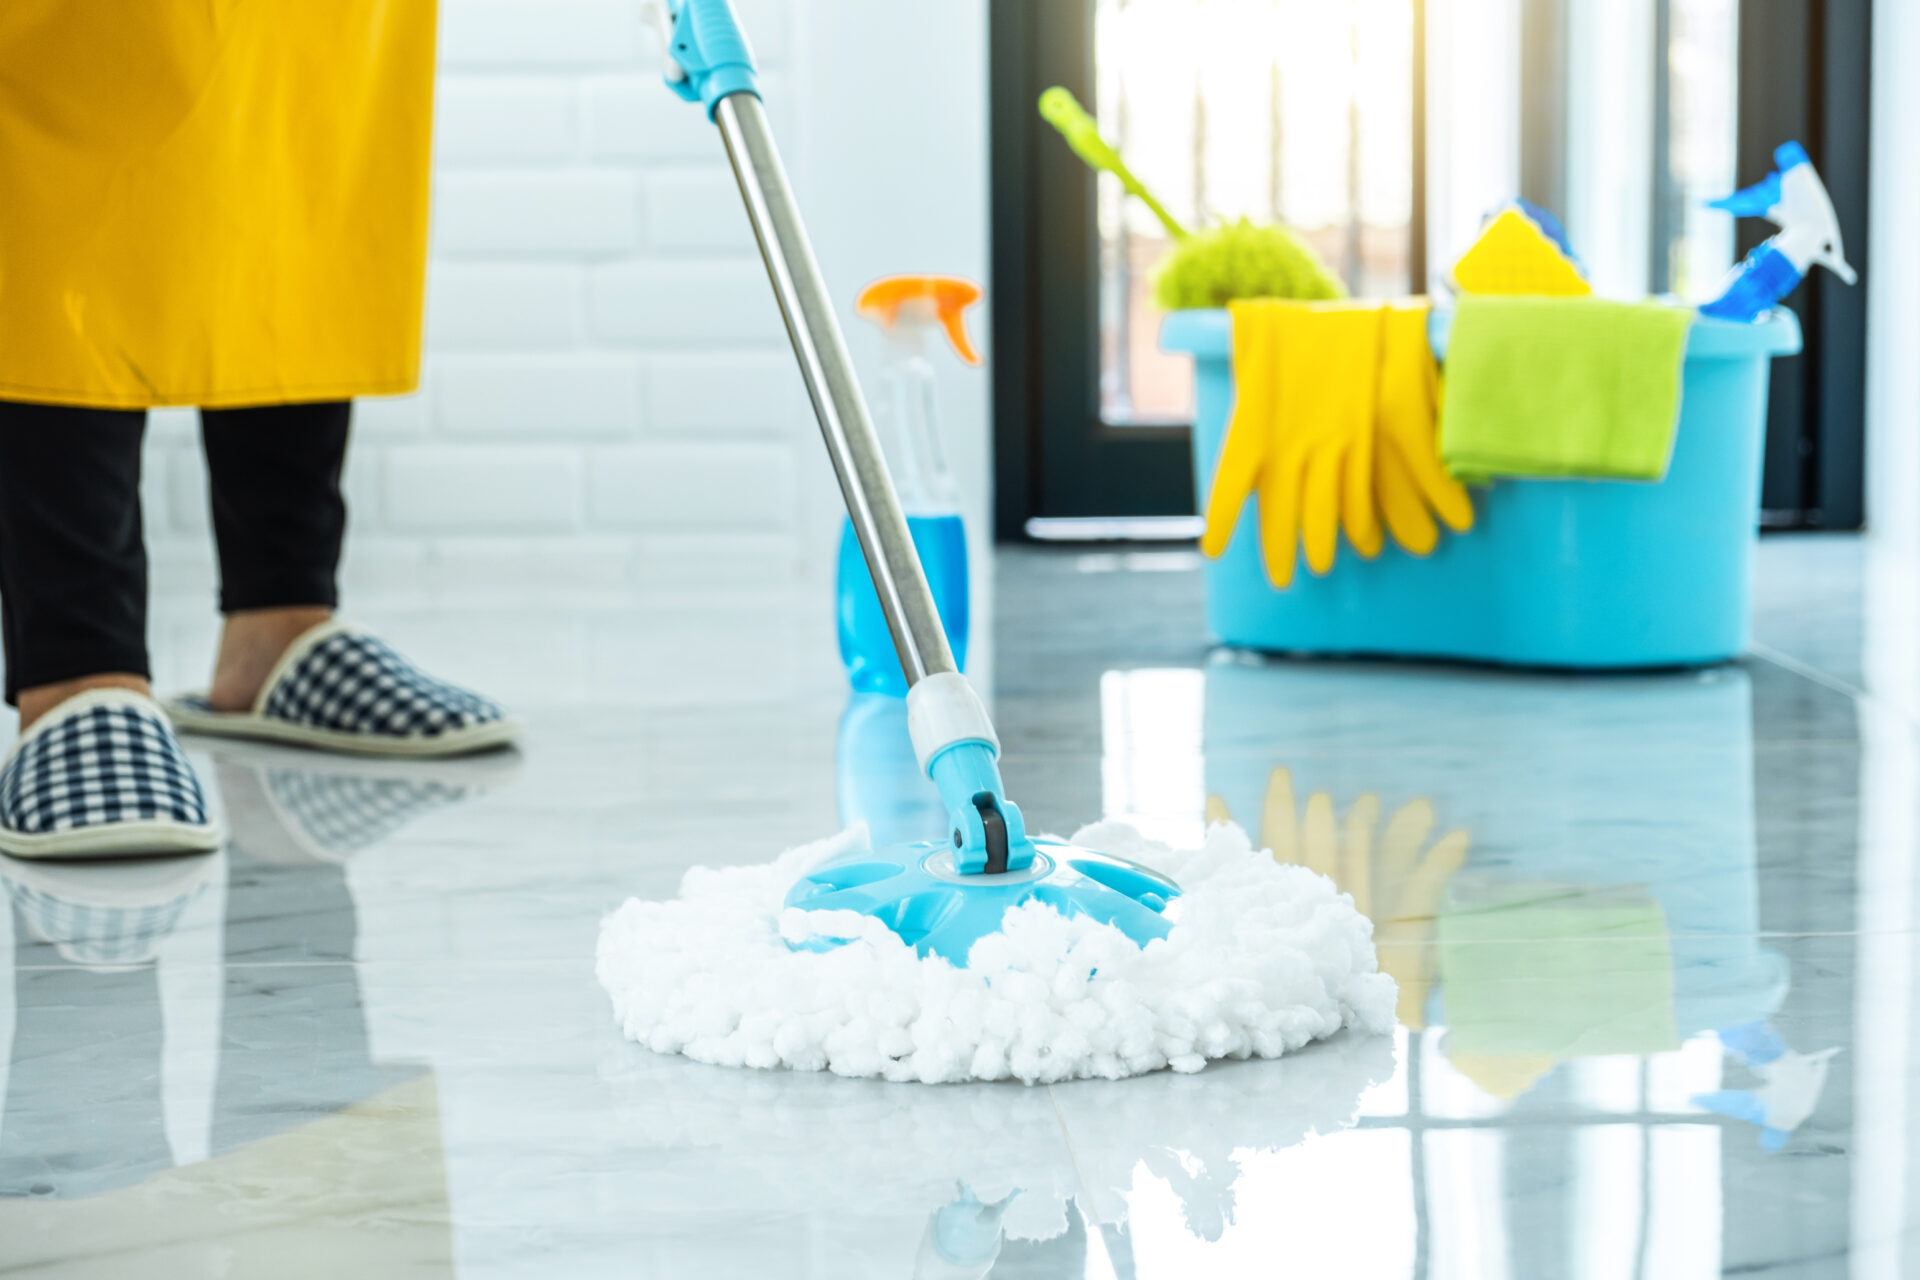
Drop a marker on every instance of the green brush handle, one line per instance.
(1059, 108)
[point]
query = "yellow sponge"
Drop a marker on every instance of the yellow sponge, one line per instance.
(1514, 256)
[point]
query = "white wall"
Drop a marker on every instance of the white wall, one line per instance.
(608, 399)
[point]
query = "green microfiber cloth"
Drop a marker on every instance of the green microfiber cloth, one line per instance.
(1540, 386)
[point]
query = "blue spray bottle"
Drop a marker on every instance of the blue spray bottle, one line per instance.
(909, 308)
(1794, 199)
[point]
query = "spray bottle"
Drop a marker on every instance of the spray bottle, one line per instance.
(1794, 199)
(909, 308)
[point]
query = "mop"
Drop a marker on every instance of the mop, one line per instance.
(995, 953)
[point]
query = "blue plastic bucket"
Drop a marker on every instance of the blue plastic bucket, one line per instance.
(1555, 573)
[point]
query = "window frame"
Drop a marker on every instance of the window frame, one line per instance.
(1046, 277)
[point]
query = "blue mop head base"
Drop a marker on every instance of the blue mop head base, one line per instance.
(917, 891)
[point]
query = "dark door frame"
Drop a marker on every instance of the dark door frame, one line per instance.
(1805, 73)
(1045, 308)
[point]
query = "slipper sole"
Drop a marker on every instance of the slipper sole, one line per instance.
(257, 728)
(113, 840)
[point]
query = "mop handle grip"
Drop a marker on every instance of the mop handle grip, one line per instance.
(827, 369)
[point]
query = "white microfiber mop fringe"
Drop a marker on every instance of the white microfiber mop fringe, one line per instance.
(1262, 959)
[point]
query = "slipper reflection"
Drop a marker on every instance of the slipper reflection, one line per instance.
(184, 1028)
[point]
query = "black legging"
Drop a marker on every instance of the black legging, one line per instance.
(73, 567)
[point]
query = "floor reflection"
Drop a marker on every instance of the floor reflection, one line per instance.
(1653, 934)
(981, 1179)
(189, 1079)
(1565, 882)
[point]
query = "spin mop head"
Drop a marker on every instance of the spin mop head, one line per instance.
(1258, 958)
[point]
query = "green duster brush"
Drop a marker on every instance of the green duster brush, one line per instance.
(1213, 267)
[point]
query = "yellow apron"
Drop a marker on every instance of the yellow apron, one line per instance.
(212, 202)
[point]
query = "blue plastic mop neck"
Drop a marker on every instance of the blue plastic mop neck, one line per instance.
(941, 897)
(989, 835)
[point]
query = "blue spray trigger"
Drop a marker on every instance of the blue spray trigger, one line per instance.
(1794, 199)
(1788, 154)
(1756, 200)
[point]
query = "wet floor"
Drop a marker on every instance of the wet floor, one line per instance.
(1654, 937)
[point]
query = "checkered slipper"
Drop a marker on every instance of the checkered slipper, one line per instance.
(340, 689)
(100, 776)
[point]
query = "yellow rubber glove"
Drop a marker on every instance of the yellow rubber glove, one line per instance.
(1306, 373)
(1243, 452)
(1329, 353)
(1409, 482)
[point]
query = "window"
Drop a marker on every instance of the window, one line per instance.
(1292, 111)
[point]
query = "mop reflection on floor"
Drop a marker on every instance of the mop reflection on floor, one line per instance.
(963, 1145)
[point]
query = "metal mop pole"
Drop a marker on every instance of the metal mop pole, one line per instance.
(845, 424)
(710, 63)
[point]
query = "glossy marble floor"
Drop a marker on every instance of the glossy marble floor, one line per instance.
(1655, 937)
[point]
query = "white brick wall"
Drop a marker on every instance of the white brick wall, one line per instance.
(608, 400)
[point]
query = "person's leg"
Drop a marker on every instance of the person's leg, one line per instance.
(73, 566)
(278, 520)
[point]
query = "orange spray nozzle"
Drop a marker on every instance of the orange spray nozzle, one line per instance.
(948, 297)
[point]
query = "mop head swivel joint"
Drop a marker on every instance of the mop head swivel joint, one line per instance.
(941, 898)
(989, 835)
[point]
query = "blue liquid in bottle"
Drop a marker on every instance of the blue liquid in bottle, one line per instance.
(880, 782)
(866, 646)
